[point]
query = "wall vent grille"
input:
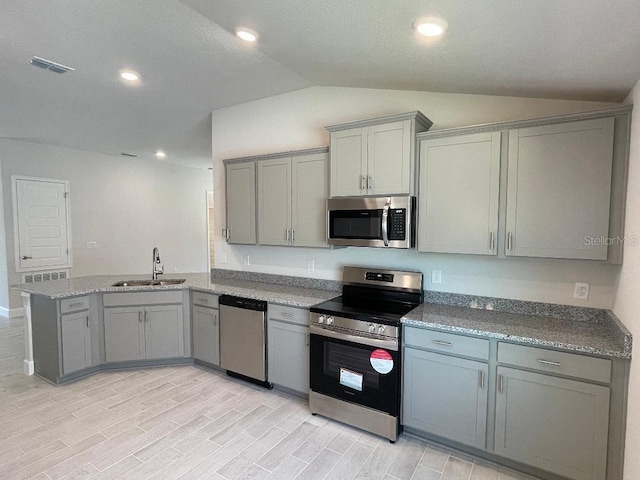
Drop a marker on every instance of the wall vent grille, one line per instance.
(44, 276)
(51, 66)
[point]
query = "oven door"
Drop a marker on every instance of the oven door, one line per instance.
(367, 375)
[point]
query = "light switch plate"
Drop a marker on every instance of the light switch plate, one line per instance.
(245, 260)
(92, 244)
(311, 265)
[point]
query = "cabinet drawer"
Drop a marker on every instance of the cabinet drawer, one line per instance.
(142, 298)
(571, 364)
(205, 299)
(74, 304)
(447, 343)
(299, 316)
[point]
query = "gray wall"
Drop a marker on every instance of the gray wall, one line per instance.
(126, 205)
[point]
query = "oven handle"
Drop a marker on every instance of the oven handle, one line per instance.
(372, 342)
(385, 223)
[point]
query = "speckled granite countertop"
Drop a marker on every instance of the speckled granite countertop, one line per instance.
(596, 332)
(273, 293)
(608, 338)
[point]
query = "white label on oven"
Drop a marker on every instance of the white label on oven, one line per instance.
(381, 361)
(351, 379)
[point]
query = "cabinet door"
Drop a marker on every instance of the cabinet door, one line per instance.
(309, 183)
(123, 334)
(552, 423)
(389, 158)
(288, 352)
(206, 335)
(274, 201)
(241, 202)
(164, 331)
(459, 186)
(348, 162)
(76, 342)
(445, 396)
(559, 188)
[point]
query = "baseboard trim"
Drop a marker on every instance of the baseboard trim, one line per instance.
(27, 367)
(11, 313)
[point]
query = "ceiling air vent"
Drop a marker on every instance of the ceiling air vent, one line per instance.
(49, 65)
(126, 154)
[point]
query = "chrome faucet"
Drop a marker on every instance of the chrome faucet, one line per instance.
(156, 261)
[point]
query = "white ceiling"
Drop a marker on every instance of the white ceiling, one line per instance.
(191, 62)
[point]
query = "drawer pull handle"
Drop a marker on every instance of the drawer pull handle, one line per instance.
(443, 343)
(77, 304)
(549, 362)
(286, 314)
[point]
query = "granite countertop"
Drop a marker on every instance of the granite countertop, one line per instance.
(598, 334)
(607, 338)
(273, 293)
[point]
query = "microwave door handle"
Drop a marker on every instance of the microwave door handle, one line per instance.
(385, 224)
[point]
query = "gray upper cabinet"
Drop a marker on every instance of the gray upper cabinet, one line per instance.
(548, 187)
(552, 423)
(292, 195)
(274, 201)
(559, 189)
(459, 194)
(241, 203)
(310, 188)
(375, 157)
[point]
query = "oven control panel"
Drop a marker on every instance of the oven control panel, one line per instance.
(356, 326)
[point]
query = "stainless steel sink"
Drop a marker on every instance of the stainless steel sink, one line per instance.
(149, 283)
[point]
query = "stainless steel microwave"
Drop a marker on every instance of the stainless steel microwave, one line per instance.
(372, 221)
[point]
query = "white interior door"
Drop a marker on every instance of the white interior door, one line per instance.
(42, 223)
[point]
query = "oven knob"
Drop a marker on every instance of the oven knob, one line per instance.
(381, 330)
(321, 319)
(372, 328)
(329, 320)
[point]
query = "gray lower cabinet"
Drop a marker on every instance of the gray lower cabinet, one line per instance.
(446, 396)
(64, 335)
(557, 424)
(206, 335)
(288, 347)
(76, 342)
(143, 332)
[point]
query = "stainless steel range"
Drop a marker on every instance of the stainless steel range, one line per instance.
(355, 354)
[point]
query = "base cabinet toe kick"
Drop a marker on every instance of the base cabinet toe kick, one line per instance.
(548, 413)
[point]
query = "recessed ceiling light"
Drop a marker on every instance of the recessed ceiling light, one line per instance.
(246, 34)
(130, 77)
(430, 26)
(160, 154)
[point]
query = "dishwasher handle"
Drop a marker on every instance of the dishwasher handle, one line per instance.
(241, 302)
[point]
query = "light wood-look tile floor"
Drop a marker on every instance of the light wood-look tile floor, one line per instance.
(190, 423)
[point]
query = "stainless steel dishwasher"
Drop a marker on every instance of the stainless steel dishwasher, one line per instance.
(243, 326)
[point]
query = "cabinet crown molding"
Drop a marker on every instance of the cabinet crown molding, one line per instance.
(417, 115)
(533, 122)
(268, 156)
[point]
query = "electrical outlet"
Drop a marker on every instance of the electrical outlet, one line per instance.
(581, 291)
(223, 258)
(92, 244)
(311, 265)
(245, 260)
(436, 276)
